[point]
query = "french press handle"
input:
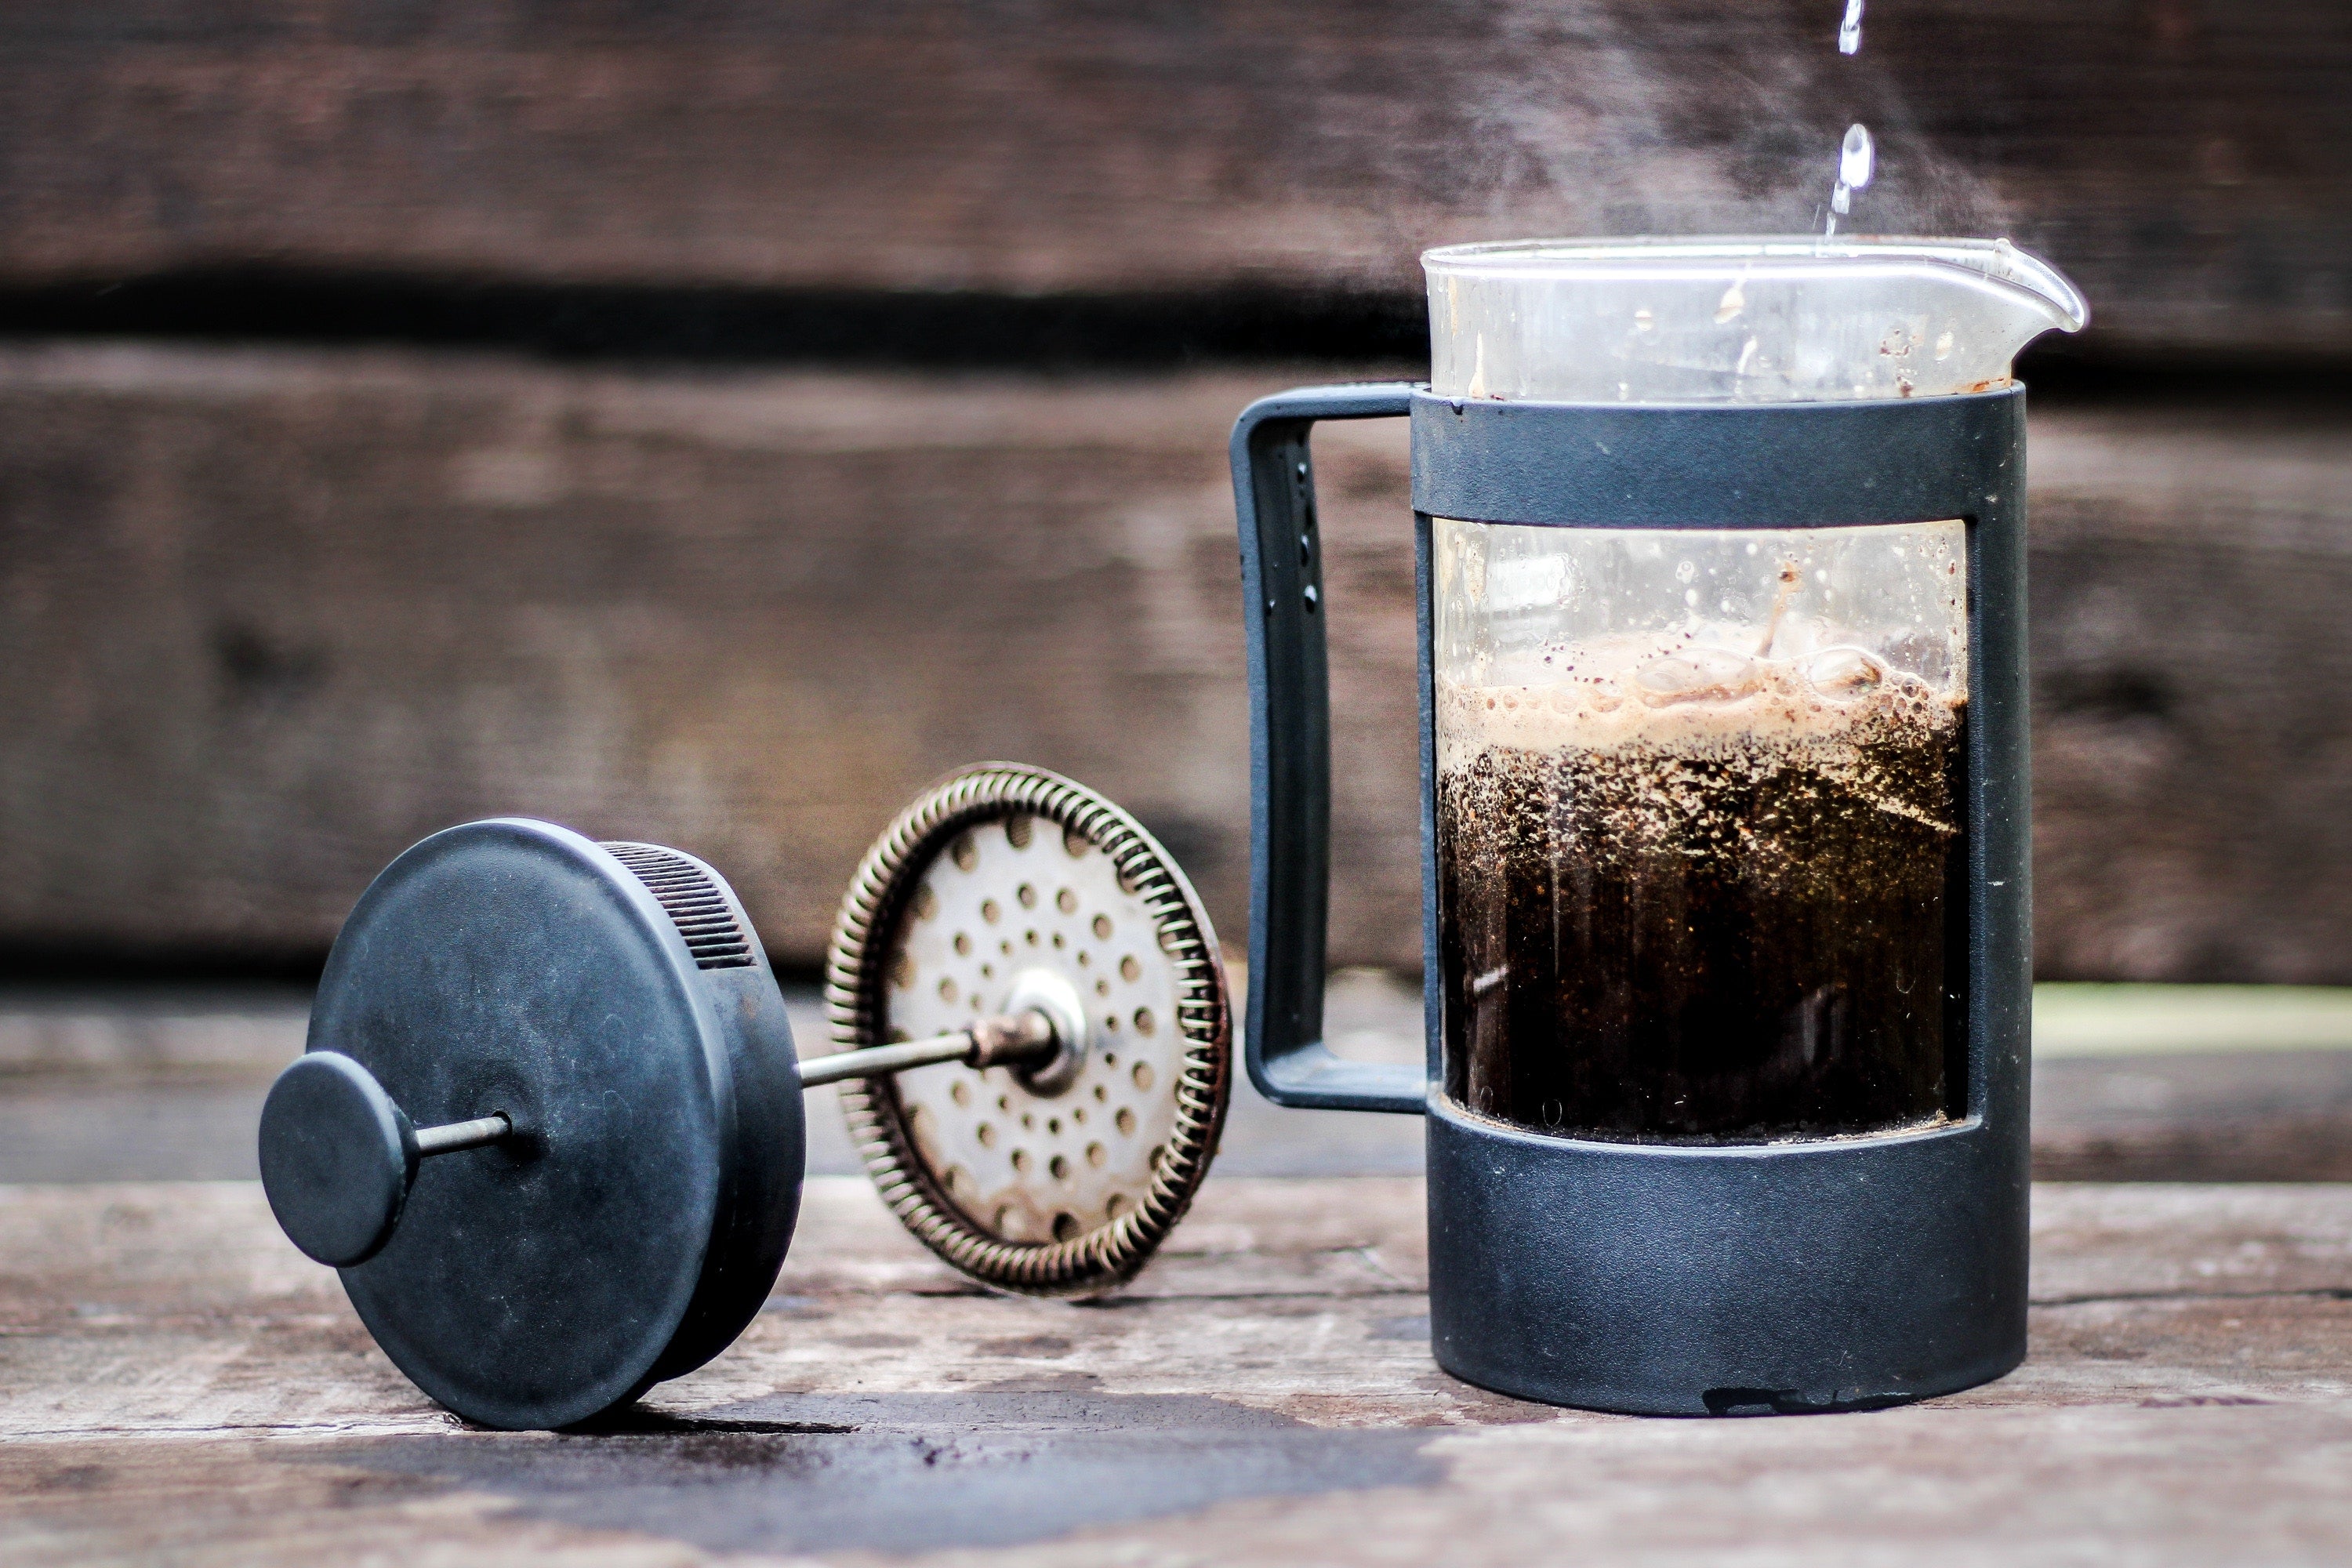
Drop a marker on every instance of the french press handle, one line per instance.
(1290, 755)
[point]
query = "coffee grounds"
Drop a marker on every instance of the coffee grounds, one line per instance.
(1733, 919)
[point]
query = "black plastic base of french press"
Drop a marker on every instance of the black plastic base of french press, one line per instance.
(1728, 1281)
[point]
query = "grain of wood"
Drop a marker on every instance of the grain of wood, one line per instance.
(179, 1385)
(1092, 149)
(265, 618)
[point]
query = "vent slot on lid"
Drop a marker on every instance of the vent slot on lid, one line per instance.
(693, 901)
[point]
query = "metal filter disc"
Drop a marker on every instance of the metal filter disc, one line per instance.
(1006, 887)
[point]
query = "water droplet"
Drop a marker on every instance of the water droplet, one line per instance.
(1856, 156)
(1855, 160)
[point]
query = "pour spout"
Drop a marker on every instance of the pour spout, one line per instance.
(2061, 303)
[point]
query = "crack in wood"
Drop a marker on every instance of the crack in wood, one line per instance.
(2317, 1292)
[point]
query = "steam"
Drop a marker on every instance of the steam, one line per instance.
(1592, 117)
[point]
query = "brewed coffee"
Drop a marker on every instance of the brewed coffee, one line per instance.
(1686, 893)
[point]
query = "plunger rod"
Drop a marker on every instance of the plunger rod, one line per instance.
(1009, 1037)
(455, 1137)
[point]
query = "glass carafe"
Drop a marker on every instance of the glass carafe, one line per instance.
(1700, 847)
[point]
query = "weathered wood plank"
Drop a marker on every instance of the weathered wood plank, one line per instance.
(2186, 681)
(94, 1273)
(179, 1385)
(266, 618)
(2190, 164)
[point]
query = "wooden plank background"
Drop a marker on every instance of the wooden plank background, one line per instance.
(273, 616)
(2189, 162)
(267, 616)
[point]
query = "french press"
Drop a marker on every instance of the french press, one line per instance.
(1721, 564)
(587, 1042)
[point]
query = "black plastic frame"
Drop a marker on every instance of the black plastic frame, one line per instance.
(1669, 1279)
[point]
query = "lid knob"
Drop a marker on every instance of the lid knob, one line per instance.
(338, 1156)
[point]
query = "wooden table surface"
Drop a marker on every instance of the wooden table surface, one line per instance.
(177, 1384)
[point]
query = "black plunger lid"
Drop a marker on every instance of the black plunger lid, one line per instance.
(638, 1214)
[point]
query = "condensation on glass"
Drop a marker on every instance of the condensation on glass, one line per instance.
(1701, 853)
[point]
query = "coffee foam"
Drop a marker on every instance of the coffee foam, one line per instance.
(1674, 691)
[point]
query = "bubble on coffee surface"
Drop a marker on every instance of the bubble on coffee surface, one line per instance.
(1843, 674)
(1697, 675)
